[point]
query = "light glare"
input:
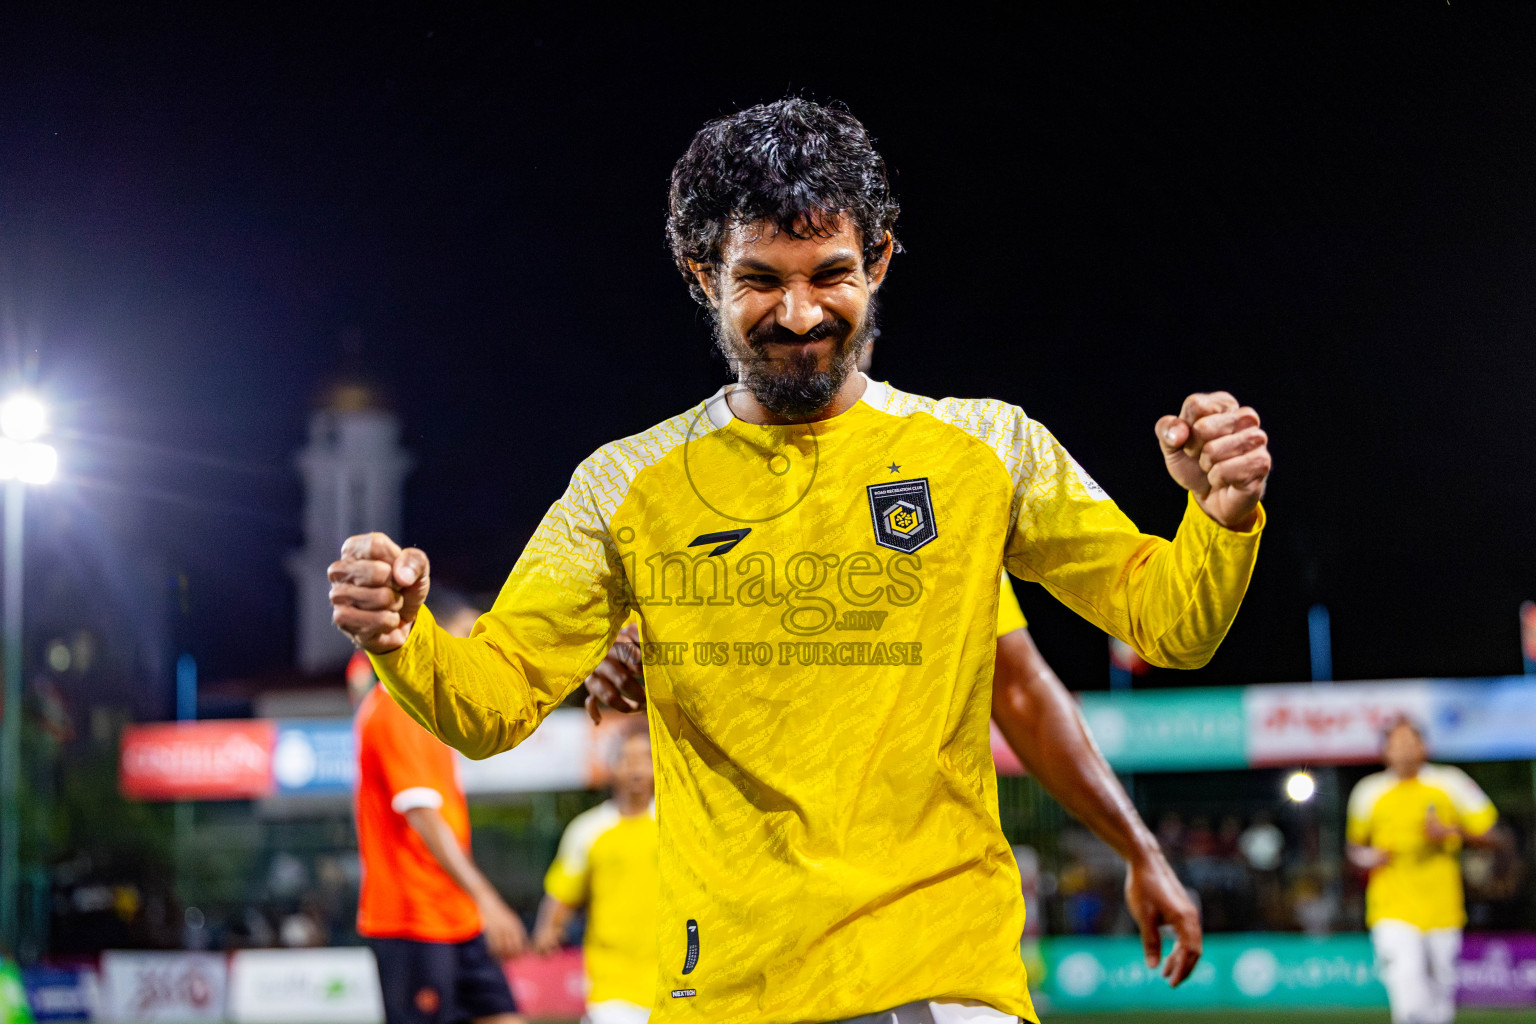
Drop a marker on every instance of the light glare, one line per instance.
(1300, 787)
(33, 462)
(23, 417)
(37, 463)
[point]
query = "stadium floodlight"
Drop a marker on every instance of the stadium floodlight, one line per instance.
(1300, 787)
(23, 417)
(23, 460)
(31, 462)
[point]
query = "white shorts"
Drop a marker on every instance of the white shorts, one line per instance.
(616, 1011)
(926, 1012)
(1418, 968)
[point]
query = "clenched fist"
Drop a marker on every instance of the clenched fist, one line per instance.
(376, 590)
(618, 682)
(1215, 449)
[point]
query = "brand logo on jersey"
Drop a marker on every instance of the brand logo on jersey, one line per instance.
(903, 514)
(692, 959)
(726, 539)
(684, 993)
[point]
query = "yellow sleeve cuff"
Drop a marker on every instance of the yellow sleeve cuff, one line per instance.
(395, 668)
(1197, 517)
(564, 886)
(1478, 822)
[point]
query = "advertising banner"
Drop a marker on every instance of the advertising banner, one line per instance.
(1497, 970)
(196, 760)
(248, 760)
(549, 987)
(163, 986)
(1164, 730)
(563, 753)
(314, 757)
(62, 994)
(308, 986)
(1334, 723)
(1182, 729)
(1236, 972)
(1482, 719)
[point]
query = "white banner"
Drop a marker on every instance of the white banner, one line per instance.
(561, 754)
(1294, 724)
(163, 986)
(305, 986)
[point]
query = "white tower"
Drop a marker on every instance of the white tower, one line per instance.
(353, 469)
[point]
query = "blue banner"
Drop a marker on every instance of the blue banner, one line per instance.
(314, 757)
(61, 993)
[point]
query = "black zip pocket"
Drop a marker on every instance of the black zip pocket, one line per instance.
(692, 959)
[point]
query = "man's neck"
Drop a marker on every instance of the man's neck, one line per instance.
(745, 406)
(631, 804)
(1407, 774)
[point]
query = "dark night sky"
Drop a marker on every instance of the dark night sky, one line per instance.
(1329, 212)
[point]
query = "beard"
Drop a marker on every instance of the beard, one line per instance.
(795, 386)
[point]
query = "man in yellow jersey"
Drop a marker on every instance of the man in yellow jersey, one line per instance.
(607, 861)
(815, 557)
(1407, 826)
(1043, 726)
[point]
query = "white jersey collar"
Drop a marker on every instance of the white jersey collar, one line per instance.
(719, 410)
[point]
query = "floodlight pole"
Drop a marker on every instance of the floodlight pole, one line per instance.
(10, 726)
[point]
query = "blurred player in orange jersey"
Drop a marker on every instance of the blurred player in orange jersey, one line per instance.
(1407, 826)
(438, 927)
(607, 862)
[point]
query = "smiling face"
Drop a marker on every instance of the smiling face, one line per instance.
(792, 315)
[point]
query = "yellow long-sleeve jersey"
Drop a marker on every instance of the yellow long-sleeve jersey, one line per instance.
(819, 603)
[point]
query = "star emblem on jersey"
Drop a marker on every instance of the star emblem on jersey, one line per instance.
(902, 513)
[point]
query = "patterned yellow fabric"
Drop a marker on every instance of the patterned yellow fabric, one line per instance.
(1009, 615)
(820, 689)
(608, 862)
(1421, 883)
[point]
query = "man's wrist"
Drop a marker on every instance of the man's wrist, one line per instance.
(1144, 852)
(1243, 525)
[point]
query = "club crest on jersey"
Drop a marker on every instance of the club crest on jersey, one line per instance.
(903, 514)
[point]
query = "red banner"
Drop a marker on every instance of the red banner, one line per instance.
(1528, 632)
(548, 987)
(197, 761)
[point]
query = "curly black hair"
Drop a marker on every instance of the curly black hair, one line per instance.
(793, 163)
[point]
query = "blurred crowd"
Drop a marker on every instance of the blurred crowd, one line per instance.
(1245, 874)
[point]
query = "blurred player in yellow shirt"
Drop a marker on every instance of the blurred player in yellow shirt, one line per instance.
(1407, 825)
(607, 862)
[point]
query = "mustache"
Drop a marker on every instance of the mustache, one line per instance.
(774, 333)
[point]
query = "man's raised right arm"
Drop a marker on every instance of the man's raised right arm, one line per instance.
(486, 693)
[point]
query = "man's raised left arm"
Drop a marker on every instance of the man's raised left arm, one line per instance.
(1173, 601)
